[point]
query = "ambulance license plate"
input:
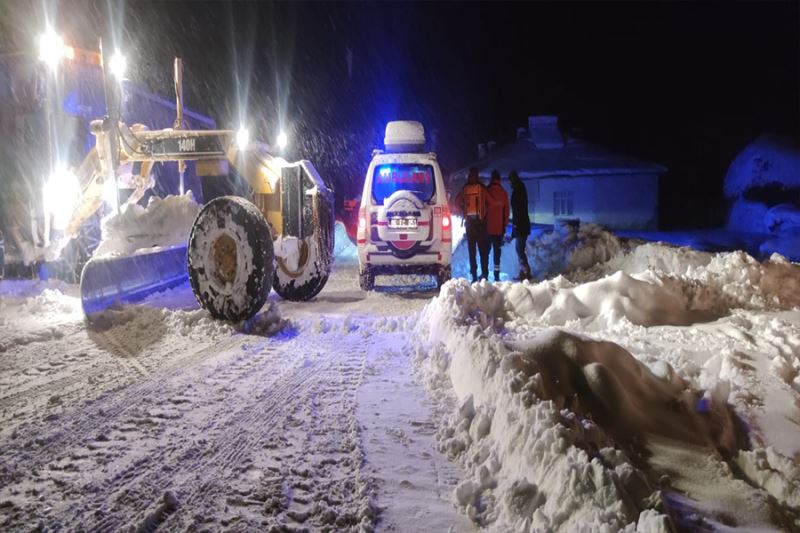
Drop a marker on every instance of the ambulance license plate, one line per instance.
(403, 223)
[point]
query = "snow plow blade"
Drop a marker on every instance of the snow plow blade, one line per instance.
(107, 282)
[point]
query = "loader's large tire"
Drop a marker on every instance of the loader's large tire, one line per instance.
(304, 265)
(231, 258)
(300, 272)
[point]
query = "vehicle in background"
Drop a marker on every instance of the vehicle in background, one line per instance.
(280, 234)
(404, 223)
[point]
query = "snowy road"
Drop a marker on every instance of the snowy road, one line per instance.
(657, 390)
(162, 416)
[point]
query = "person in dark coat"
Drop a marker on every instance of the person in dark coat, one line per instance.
(497, 219)
(472, 202)
(521, 224)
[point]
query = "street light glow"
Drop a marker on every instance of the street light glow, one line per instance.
(282, 140)
(51, 48)
(117, 65)
(242, 138)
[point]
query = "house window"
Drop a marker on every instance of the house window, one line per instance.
(563, 203)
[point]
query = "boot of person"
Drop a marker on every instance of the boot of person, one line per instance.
(497, 274)
(524, 273)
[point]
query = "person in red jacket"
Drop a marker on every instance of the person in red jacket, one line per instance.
(497, 219)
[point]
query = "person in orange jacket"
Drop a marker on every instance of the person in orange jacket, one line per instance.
(472, 202)
(497, 219)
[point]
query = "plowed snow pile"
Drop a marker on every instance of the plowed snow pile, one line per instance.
(636, 427)
(164, 222)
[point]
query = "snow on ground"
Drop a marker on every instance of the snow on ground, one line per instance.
(661, 386)
(161, 416)
(646, 387)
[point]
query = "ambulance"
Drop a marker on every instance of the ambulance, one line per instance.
(404, 223)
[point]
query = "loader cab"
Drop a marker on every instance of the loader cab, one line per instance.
(404, 224)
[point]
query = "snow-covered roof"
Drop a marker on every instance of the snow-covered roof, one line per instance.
(767, 161)
(575, 158)
(545, 133)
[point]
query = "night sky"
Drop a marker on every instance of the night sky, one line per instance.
(683, 84)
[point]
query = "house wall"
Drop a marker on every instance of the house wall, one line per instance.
(616, 201)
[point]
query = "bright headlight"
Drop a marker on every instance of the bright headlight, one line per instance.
(51, 48)
(61, 194)
(283, 140)
(242, 138)
(117, 65)
(110, 192)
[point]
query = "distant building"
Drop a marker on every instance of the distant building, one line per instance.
(569, 178)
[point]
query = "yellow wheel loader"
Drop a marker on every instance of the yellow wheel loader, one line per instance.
(280, 236)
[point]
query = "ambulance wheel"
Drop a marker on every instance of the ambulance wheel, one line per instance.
(231, 258)
(442, 276)
(366, 279)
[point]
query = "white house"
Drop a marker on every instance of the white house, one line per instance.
(569, 178)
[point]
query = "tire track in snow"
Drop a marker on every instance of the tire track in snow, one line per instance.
(32, 448)
(108, 411)
(129, 361)
(22, 362)
(202, 472)
(310, 387)
(326, 473)
(128, 366)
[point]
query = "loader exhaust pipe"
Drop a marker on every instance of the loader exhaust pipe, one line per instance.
(179, 125)
(111, 91)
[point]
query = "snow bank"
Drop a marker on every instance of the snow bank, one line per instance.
(571, 247)
(776, 474)
(647, 283)
(36, 311)
(767, 161)
(705, 281)
(164, 222)
(550, 424)
(589, 252)
(600, 304)
(565, 249)
(11, 289)
(132, 322)
(538, 419)
(344, 251)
